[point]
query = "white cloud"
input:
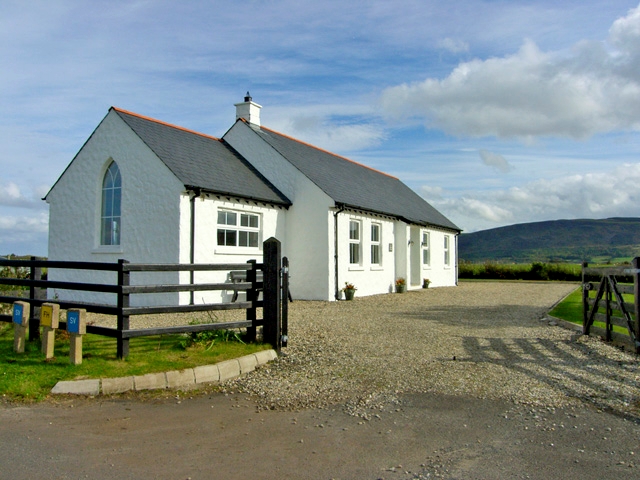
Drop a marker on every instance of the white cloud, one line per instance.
(453, 45)
(24, 235)
(593, 195)
(495, 160)
(337, 128)
(12, 196)
(593, 89)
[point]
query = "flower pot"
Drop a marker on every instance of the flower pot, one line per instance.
(401, 288)
(349, 293)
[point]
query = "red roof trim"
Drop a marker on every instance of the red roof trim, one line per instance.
(164, 123)
(329, 153)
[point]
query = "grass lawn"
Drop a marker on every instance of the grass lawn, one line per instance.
(29, 376)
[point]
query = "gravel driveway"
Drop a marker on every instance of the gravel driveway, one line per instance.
(481, 339)
(461, 383)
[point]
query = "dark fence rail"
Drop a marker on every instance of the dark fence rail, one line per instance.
(35, 292)
(603, 300)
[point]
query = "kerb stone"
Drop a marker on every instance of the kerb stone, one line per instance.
(265, 356)
(150, 381)
(247, 363)
(207, 374)
(116, 385)
(181, 378)
(78, 387)
(229, 369)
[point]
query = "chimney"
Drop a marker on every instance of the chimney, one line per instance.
(249, 111)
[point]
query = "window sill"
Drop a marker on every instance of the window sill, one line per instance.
(237, 251)
(377, 268)
(107, 249)
(356, 268)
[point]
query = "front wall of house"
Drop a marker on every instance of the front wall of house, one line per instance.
(207, 249)
(369, 261)
(421, 254)
(150, 211)
(307, 240)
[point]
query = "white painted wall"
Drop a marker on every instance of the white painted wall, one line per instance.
(150, 212)
(272, 222)
(369, 279)
(307, 240)
(441, 275)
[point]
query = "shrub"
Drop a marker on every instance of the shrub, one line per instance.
(518, 271)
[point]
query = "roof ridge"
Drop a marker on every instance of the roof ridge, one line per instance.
(328, 152)
(155, 120)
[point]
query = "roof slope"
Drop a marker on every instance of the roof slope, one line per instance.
(355, 185)
(202, 161)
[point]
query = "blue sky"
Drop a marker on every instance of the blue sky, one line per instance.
(496, 112)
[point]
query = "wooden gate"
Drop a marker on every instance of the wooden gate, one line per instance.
(604, 301)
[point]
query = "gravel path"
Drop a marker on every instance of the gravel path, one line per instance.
(482, 339)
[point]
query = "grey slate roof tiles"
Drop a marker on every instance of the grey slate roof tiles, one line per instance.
(202, 161)
(355, 185)
(211, 164)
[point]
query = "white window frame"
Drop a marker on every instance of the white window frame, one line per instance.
(355, 243)
(426, 249)
(243, 226)
(376, 245)
(111, 207)
(447, 251)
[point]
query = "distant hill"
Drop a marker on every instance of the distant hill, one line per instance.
(596, 241)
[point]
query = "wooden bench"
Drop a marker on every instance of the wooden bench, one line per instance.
(240, 276)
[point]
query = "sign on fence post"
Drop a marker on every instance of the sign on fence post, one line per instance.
(76, 326)
(49, 317)
(21, 311)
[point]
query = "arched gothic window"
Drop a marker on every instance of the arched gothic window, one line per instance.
(111, 201)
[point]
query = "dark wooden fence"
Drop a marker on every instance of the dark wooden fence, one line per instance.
(602, 300)
(274, 304)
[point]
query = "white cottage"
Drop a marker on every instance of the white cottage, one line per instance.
(150, 192)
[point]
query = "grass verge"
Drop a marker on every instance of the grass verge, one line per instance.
(30, 377)
(570, 309)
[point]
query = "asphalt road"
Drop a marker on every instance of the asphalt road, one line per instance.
(213, 435)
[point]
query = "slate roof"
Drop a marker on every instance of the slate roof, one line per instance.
(355, 185)
(202, 161)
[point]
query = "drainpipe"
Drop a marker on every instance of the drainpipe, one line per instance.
(335, 257)
(456, 237)
(193, 194)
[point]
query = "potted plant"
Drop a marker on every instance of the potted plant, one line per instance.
(349, 290)
(401, 285)
(425, 283)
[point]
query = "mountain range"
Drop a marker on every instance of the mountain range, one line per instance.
(610, 240)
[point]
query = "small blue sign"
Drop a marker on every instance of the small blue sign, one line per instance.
(73, 322)
(18, 311)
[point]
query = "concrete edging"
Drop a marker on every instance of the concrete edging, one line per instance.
(180, 379)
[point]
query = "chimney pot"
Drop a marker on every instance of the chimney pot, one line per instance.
(249, 111)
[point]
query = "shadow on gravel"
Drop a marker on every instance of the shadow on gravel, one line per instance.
(490, 318)
(570, 366)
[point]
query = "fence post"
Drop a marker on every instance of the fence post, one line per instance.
(585, 300)
(285, 302)
(608, 325)
(272, 289)
(252, 296)
(636, 300)
(123, 302)
(35, 273)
